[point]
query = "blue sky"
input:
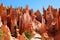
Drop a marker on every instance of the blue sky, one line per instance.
(34, 4)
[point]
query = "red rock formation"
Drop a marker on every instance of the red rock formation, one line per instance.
(26, 19)
(38, 16)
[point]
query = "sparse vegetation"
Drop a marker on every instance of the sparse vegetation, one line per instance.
(27, 34)
(1, 33)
